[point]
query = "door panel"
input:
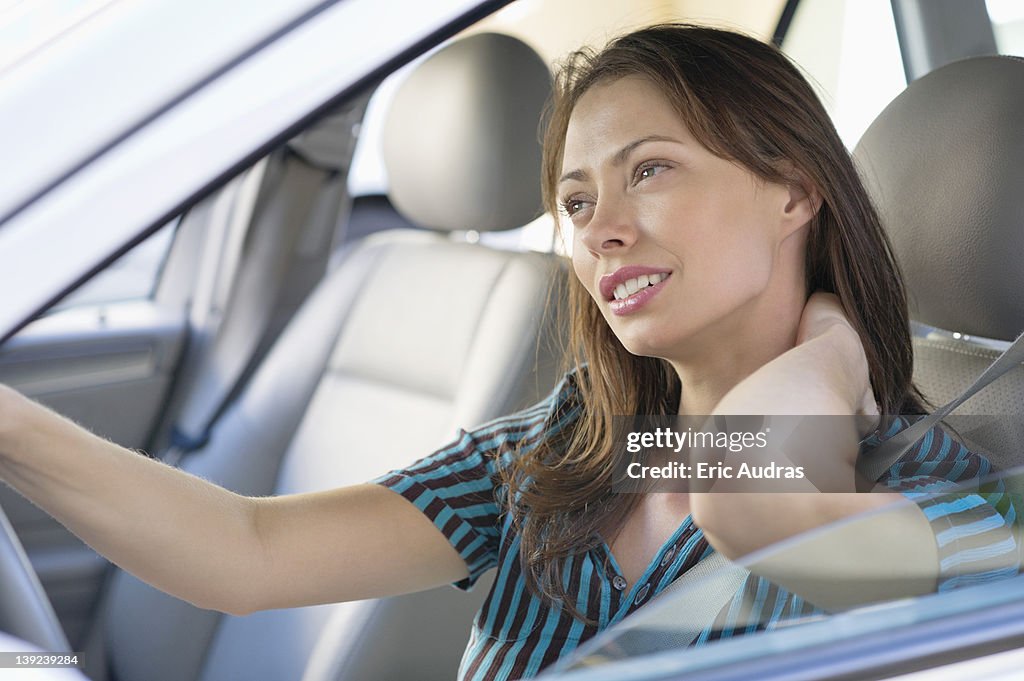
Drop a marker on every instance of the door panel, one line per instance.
(108, 368)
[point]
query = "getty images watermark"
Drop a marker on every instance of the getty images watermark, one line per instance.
(741, 453)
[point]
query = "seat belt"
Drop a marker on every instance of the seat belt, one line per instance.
(714, 581)
(244, 301)
(306, 186)
(872, 466)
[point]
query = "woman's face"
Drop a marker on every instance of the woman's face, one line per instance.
(680, 249)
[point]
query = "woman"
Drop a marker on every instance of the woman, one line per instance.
(727, 261)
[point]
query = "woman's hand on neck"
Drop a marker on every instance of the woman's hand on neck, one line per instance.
(825, 374)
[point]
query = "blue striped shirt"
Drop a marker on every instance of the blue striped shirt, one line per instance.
(516, 634)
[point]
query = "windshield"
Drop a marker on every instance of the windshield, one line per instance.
(215, 105)
(838, 591)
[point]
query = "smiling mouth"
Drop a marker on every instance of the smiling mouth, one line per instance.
(631, 287)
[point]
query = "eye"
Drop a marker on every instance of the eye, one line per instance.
(648, 169)
(571, 206)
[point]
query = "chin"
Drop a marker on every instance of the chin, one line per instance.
(647, 347)
(667, 344)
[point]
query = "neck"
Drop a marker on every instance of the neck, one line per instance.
(756, 336)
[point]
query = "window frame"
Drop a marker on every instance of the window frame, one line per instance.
(158, 166)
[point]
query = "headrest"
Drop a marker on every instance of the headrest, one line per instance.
(461, 140)
(944, 163)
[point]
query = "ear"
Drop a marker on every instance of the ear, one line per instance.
(804, 201)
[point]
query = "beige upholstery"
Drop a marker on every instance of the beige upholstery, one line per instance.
(411, 336)
(993, 420)
(945, 163)
(482, 148)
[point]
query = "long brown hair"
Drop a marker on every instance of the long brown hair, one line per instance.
(747, 103)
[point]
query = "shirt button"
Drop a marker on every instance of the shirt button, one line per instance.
(619, 582)
(642, 594)
(669, 555)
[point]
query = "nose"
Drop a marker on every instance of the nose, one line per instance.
(611, 228)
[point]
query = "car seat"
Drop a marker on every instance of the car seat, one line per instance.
(410, 336)
(944, 163)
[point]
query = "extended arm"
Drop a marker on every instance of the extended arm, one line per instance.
(210, 546)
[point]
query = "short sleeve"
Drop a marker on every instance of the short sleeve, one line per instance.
(458, 486)
(971, 513)
(454, 487)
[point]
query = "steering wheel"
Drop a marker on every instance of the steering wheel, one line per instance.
(25, 610)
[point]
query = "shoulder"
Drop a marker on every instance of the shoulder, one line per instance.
(529, 427)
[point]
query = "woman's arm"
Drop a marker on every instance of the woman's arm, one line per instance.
(825, 374)
(207, 545)
(872, 557)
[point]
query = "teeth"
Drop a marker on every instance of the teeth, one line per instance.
(631, 286)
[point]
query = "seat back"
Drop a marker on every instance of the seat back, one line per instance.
(945, 163)
(411, 336)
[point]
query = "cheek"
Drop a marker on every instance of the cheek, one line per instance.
(583, 267)
(736, 273)
(730, 261)
(582, 262)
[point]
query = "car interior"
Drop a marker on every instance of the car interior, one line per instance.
(320, 336)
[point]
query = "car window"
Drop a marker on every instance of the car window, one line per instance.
(850, 53)
(158, 164)
(1007, 18)
(674, 636)
(133, 276)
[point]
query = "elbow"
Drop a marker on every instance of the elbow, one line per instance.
(239, 584)
(711, 515)
(236, 604)
(238, 610)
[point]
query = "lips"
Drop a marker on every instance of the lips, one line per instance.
(633, 278)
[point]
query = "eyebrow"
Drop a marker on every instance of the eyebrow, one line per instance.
(620, 156)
